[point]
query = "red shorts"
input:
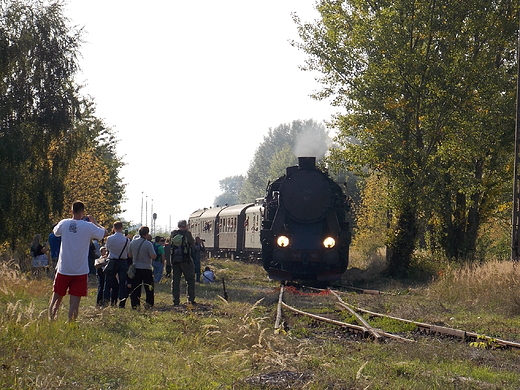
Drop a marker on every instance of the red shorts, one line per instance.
(77, 285)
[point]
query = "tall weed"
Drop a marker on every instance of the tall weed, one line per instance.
(11, 278)
(492, 285)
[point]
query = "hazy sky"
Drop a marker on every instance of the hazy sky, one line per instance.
(191, 89)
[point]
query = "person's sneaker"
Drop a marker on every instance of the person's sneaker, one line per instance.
(192, 303)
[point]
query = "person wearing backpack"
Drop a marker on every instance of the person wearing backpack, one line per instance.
(158, 263)
(181, 241)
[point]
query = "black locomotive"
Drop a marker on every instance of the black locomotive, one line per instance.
(305, 234)
(299, 229)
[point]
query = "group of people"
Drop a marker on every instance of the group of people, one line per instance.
(125, 265)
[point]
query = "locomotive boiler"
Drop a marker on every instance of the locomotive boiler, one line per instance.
(305, 233)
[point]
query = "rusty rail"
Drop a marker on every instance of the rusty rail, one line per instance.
(436, 329)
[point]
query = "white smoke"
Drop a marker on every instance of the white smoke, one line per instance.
(312, 143)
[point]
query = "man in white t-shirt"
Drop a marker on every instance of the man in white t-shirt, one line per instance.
(72, 269)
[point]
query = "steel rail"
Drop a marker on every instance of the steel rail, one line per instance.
(351, 327)
(377, 336)
(436, 329)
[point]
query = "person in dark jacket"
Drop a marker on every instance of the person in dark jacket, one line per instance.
(196, 253)
(182, 263)
(39, 255)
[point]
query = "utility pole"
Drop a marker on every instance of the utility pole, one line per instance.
(142, 192)
(515, 244)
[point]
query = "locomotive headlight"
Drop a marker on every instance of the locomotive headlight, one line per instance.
(282, 241)
(329, 242)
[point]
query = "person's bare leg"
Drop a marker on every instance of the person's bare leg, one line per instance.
(74, 307)
(54, 305)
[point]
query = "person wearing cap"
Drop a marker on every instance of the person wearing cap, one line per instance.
(185, 267)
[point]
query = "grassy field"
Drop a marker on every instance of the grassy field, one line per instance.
(232, 345)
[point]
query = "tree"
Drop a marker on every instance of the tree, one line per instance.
(231, 185)
(46, 126)
(94, 178)
(38, 104)
(371, 216)
(280, 149)
(429, 93)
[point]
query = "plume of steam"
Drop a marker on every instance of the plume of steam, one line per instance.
(312, 143)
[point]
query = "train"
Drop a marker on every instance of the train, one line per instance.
(299, 230)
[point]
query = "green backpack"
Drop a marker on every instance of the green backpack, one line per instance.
(180, 249)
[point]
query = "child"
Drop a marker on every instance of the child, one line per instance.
(208, 275)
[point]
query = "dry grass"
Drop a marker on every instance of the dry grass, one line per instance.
(12, 281)
(491, 286)
(223, 345)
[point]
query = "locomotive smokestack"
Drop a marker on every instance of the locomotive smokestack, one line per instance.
(307, 163)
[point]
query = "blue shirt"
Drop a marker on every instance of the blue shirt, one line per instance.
(55, 243)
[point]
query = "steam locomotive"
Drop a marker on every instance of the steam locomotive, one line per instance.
(305, 234)
(299, 230)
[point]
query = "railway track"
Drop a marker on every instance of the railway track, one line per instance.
(363, 328)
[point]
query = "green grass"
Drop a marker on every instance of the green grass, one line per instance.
(226, 345)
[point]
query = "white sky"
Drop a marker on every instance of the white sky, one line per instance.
(191, 88)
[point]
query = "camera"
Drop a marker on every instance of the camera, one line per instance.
(85, 218)
(126, 232)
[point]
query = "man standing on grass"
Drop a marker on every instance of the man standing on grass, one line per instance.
(117, 246)
(72, 270)
(182, 263)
